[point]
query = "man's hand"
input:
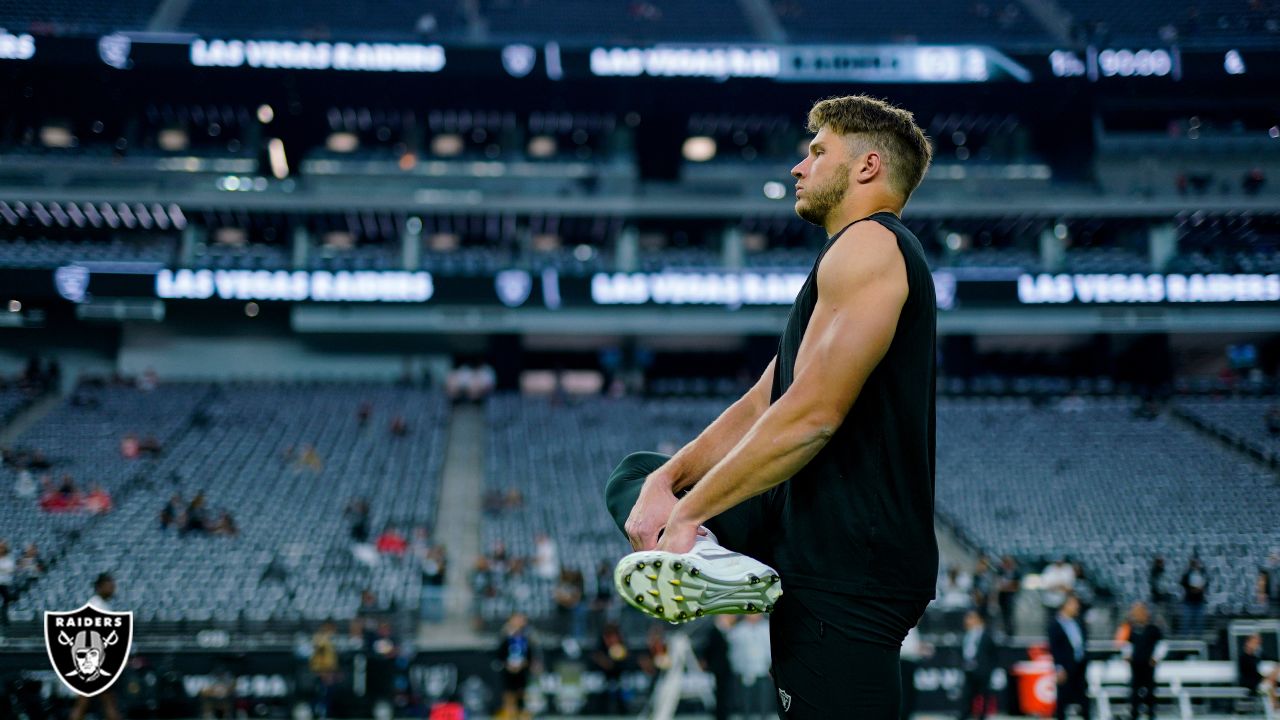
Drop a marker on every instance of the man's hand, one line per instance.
(679, 536)
(649, 514)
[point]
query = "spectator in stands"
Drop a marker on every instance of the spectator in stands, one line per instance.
(399, 428)
(458, 382)
(150, 445)
(979, 657)
(1008, 584)
(1144, 649)
(171, 515)
(225, 525)
(571, 608)
(98, 500)
(64, 498)
(1272, 568)
(602, 604)
(309, 460)
(1056, 580)
(515, 652)
(954, 590)
(483, 382)
(1260, 603)
(1195, 586)
(324, 666)
(364, 413)
(8, 581)
(1083, 589)
(130, 448)
(514, 499)
(749, 656)
(357, 513)
(983, 585)
(715, 660)
(546, 559)
(196, 518)
(1249, 671)
(611, 657)
(30, 566)
(392, 542)
(1159, 595)
(24, 487)
(1067, 645)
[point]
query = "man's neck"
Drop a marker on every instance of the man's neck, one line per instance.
(854, 210)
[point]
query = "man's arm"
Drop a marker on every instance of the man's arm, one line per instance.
(862, 286)
(694, 460)
(652, 509)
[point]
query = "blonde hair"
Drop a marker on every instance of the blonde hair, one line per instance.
(905, 150)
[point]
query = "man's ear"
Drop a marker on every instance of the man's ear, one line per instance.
(869, 166)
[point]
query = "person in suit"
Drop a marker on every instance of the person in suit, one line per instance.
(1067, 644)
(979, 653)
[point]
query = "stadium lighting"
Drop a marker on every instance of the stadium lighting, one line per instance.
(699, 148)
(342, 142)
(15, 306)
(775, 190)
(172, 139)
(446, 145)
(542, 146)
(279, 163)
(265, 114)
(251, 309)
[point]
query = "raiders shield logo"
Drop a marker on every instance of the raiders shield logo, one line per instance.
(786, 699)
(72, 282)
(519, 60)
(88, 647)
(114, 50)
(513, 287)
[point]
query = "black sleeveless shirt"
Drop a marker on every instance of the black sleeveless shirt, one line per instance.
(858, 519)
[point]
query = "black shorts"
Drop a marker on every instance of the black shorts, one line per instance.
(515, 681)
(823, 670)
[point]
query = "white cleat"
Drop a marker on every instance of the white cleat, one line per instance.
(707, 580)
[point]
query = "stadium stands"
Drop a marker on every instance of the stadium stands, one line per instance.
(242, 446)
(558, 455)
(1106, 488)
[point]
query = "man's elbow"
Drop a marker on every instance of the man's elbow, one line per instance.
(821, 425)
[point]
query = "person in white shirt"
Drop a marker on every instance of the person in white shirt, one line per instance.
(104, 588)
(1057, 579)
(749, 657)
(546, 558)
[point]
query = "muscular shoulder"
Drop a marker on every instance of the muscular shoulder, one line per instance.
(865, 258)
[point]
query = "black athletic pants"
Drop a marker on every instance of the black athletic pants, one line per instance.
(820, 672)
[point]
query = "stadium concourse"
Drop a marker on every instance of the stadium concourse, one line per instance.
(323, 325)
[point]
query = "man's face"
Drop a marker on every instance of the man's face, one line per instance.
(1071, 607)
(822, 178)
(1139, 613)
